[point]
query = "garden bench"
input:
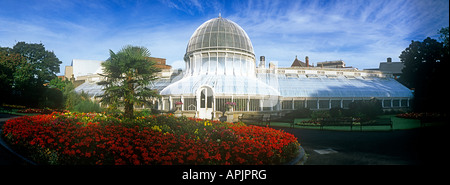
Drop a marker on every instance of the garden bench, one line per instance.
(378, 122)
(251, 118)
(266, 119)
(350, 122)
(292, 123)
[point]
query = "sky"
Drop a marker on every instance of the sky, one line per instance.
(362, 33)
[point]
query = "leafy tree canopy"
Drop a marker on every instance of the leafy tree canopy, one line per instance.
(425, 69)
(24, 69)
(45, 63)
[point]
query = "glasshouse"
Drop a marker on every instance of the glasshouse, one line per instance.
(221, 75)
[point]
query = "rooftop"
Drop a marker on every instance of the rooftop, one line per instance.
(219, 33)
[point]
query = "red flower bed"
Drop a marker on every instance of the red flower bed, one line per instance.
(422, 115)
(69, 138)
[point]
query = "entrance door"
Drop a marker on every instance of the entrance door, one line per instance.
(206, 103)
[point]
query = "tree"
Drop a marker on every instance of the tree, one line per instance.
(444, 37)
(25, 68)
(12, 74)
(368, 110)
(45, 63)
(128, 74)
(424, 71)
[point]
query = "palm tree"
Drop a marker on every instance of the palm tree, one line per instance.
(127, 76)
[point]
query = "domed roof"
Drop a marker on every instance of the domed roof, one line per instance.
(219, 33)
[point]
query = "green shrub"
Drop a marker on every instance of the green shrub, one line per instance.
(320, 114)
(366, 109)
(51, 98)
(300, 113)
(146, 112)
(336, 112)
(87, 106)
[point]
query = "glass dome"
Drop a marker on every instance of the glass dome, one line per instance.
(219, 33)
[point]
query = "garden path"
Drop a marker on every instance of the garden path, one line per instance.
(6, 158)
(414, 146)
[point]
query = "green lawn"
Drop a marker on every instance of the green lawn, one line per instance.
(398, 124)
(14, 112)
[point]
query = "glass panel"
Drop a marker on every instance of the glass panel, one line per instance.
(220, 104)
(213, 64)
(229, 40)
(286, 105)
(190, 103)
(229, 64)
(324, 104)
(243, 44)
(311, 104)
(190, 67)
(166, 105)
(215, 26)
(210, 101)
(396, 103)
(387, 103)
(205, 41)
(236, 65)
(205, 61)
(404, 103)
(244, 66)
(236, 41)
(251, 66)
(221, 39)
(254, 105)
(335, 103)
(198, 63)
(299, 104)
(213, 40)
(221, 64)
(241, 104)
(222, 24)
(202, 99)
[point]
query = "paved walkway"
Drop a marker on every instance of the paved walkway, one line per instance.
(6, 158)
(414, 146)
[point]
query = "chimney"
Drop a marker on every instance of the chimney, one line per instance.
(262, 62)
(389, 59)
(307, 61)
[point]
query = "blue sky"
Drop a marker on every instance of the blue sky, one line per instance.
(360, 32)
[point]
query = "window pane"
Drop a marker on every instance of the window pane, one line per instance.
(213, 64)
(229, 64)
(202, 99)
(221, 39)
(213, 40)
(205, 61)
(221, 66)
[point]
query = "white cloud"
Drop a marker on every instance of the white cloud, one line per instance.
(362, 33)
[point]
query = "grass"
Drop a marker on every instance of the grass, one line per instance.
(14, 112)
(398, 124)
